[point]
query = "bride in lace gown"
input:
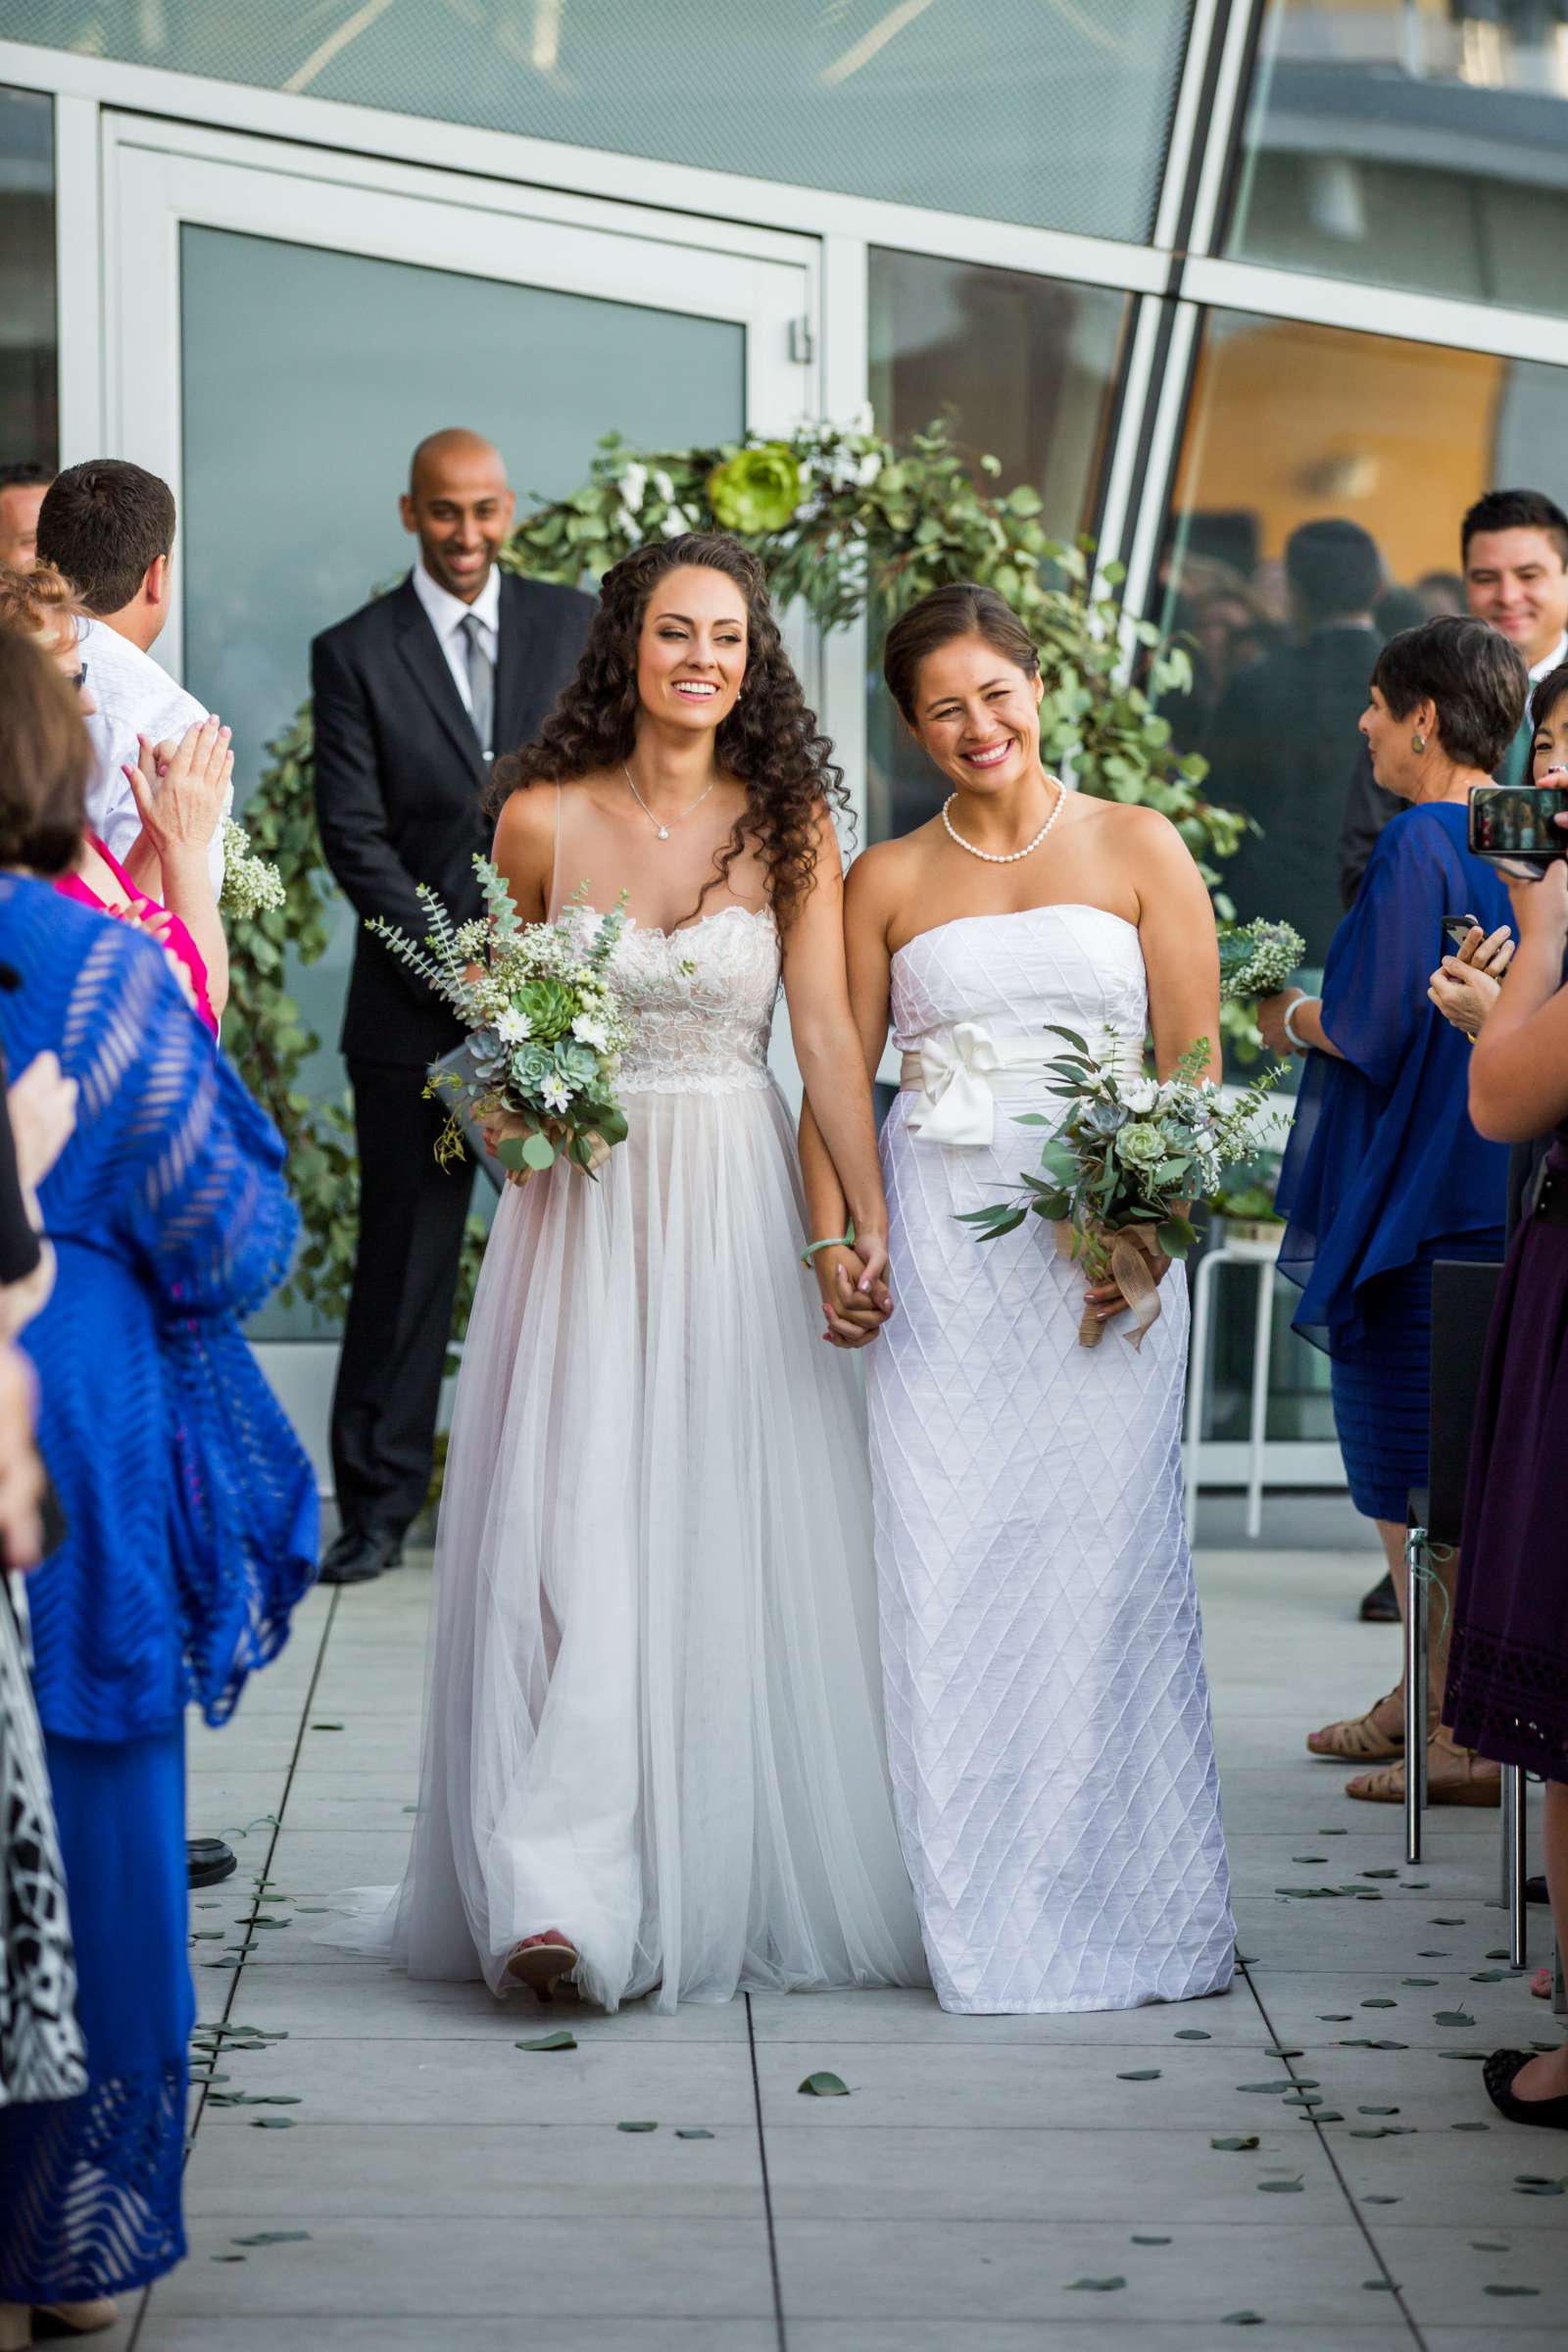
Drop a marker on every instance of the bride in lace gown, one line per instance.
(1047, 1713)
(653, 1748)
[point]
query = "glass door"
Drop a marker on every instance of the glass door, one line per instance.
(283, 324)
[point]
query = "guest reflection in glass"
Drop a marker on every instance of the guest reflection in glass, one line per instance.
(1283, 734)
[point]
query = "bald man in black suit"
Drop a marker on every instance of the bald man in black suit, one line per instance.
(414, 697)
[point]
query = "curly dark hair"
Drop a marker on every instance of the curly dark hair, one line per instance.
(770, 742)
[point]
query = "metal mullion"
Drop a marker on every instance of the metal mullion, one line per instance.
(79, 277)
(1356, 307)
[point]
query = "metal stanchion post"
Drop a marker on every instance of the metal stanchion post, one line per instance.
(1415, 1690)
(1515, 1812)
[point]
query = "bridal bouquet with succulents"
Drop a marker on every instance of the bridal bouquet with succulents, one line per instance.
(1120, 1164)
(1256, 958)
(546, 1029)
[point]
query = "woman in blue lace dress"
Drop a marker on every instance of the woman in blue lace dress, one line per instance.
(189, 1507)
(1384, 1172)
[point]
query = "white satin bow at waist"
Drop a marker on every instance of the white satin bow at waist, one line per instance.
(955, 1075)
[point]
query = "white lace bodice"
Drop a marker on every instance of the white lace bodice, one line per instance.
(699, 1002)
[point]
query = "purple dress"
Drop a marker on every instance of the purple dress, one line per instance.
(1507, 1688)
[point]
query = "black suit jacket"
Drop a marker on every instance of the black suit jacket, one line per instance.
(1277, 745)
(400, 783)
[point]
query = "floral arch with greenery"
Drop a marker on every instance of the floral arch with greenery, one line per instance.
(847, 524)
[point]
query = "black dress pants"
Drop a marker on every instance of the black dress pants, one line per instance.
(411, 1214)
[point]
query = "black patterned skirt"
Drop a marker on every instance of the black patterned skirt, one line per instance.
(1507, 1687)
(40, 2046)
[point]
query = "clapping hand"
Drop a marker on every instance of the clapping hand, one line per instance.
(1466, 984)
(181, 789)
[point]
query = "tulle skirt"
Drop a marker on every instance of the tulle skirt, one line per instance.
(653, 1718)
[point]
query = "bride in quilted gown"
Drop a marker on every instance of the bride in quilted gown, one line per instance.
(1046, 1707)
(653, 1749)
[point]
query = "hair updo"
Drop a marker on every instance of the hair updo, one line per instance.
(963, 609)
(770, 741)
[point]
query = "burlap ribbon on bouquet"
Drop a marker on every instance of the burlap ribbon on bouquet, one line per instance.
(1124, 1258)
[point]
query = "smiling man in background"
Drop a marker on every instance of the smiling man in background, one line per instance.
(1514, 547)
(415, 694)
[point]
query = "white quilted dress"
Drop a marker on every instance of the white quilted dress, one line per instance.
(653, 1718)
(1047, 1708)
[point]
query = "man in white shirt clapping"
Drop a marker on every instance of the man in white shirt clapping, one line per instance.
(110, 527)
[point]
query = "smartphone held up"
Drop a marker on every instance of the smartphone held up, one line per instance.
(1514, 826)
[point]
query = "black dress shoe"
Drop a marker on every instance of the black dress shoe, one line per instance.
(1379, 1606)
(1498, 2075)
(209, 1861)
(360, 1554)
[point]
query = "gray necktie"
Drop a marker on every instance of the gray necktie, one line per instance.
(481, 683)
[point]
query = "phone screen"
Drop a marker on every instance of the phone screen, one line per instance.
(1513, 823)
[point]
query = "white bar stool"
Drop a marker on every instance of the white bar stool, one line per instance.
(1249, 1241)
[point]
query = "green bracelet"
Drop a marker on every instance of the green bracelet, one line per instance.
(836, 1241)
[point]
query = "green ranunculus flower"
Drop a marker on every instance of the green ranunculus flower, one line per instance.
(1141, 1145)
(757, 489)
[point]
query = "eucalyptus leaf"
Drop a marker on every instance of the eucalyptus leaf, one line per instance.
(1149, 2242)
(549, 2041)
(694, 2132)
(1243, 2319)
(1096, 2286)
(1280, 2188)
(1236, 2145)
(273, 2237)
(1452, 2017)
(1141, 2074)
(636, 2126)
(1498, 2290)
(824, 2086)
(273, 2123)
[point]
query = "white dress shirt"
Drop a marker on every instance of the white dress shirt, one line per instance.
(135, 696)
(448, 613)
(1553, 660)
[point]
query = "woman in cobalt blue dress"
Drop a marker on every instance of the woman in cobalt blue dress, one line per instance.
(1384, 1172)
(189, 1507)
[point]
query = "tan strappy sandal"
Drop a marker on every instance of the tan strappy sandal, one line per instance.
(1359, 1740)
(1443, 1788)
(542, 1964)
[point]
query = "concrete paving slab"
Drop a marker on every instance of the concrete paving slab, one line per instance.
(516, 2272)
(609, 2079)
(479, 2172)
(911, 2173)
(895, 2015)
(963, 2271)
(389, 2006)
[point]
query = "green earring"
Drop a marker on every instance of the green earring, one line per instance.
(1418, 743)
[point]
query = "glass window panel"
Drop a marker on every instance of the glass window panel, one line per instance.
(1418, 143)
(1026, 369)
(1290, 423)
(288, 508)
(28, 399)
(1016, 111)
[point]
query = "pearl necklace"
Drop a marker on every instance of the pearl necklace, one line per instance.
(1012, 857)
(660, 830)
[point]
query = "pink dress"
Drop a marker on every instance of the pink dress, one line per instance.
(175, 939)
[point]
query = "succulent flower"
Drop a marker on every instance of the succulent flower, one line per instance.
(1141, 1145)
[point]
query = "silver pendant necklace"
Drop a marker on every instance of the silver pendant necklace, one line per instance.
(1012, 857)
(660, 830)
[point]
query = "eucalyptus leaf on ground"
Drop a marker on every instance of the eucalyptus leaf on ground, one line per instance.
(273, 2237)
(1236, 2143)
(693, 2134)
(636, 2126)
(549, 2041)
(1096, 2287)
(824, 2086)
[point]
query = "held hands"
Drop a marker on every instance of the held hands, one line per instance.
(1467, 984)
(855, 1299)
(1269, 1013)
(181, 789)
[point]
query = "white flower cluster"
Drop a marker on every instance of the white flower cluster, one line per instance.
(250, 883)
